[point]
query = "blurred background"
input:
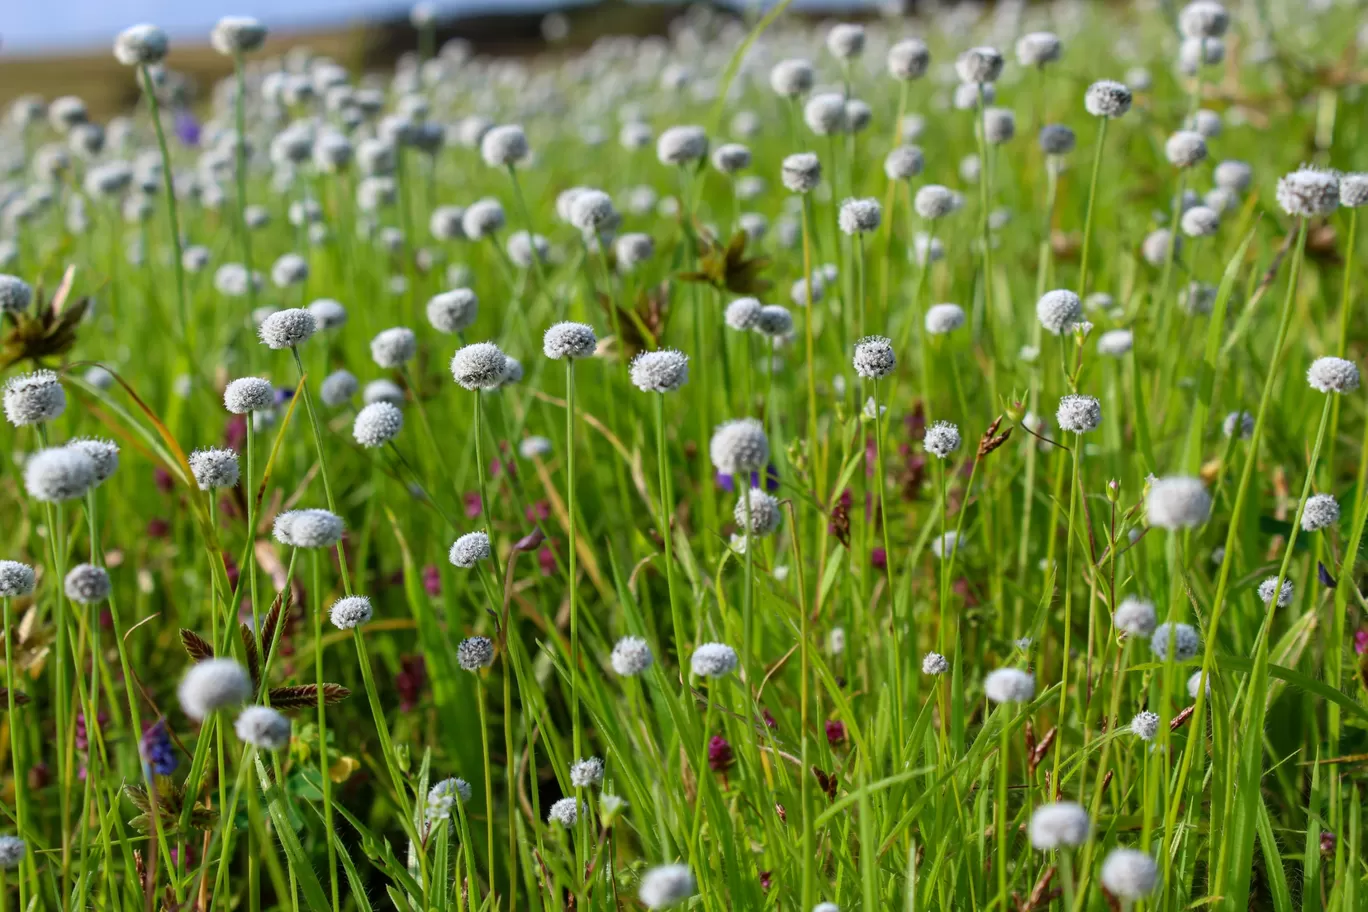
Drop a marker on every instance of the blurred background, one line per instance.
(62, 47)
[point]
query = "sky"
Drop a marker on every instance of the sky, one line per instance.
(33, 26)
(41, 26)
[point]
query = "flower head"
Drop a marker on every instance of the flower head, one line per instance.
(979, 65)
(908, 59)
(1009, 685)
(681, 145)
(1353, 189)
(1056, 139)
(1203, 19)
(1285, 592)
(1177, 502)
(933, 663)
(351, 611)
(860, 216)
(1059, 310)
(443, 796)
(1078, 414)
(1321, 512)
(392, 348)
(846, 40)
(661, 371)
(874, 358)
(944, 318)
(764, 515)
(1185, 148)
(263, 728)
(34, 398)
(140, 45)
(15, 294)
(825, 113)
(337, 388)
(504, 146)
(482, 218)
(1135, 617)
(569, 340)
(743, 313)
(1145, 725)
(934, 201)
(1106, 98)
(942, 439)
(213, 684)
(58, 474)
(791, 78)
(234, 35)
(1333, 375)
(1062, 823)
(565, 812)
(586, 773)
(480, 365)
(475, 653)
(86, 584)
(1309, 192)
(739, 446)
(713, 660)
(631, 656)
(470, 549)
(801, 172)
(904, 163)
(1038, 48)
(16, 579)
(12, 851)
(1183, 637)
(287, 328)
(248, 394)
(312, 528)
(1130, 874)
(666, 885)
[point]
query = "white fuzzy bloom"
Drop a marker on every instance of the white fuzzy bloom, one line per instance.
(942, 439)
(1078, 414)
(858, 115)
(1321, 512)
(1185, 148)
(1309, 192)
(1194, 684)
(904, 163)
(739, 447)
(474, 653)
(944, 545)
(846, 40)
(908, 59)
(970, 96)
(979, 65)
(1177, 502)
(470, 549)
(592, 211)
(1241, 422)
(34, 398)
(631, 656)
(944, 318)
(874, 358)
(1130, 874)
(661, 371)
(1107, 98)
(934, 201)
(290, 269)
(1135, 617)
(339, 386)
(86, 584)
(287, 328)
(59, 474)
(681, 145)
(1200, 221)
(391, 348)
(859, 216)
(1038, 48)
(214, 467)
(1155, 247)
(1056, 139)
(1233, 175)
(1062, 823)
(1333, 375)
(263, 728)
(666, 885)
(1115, 342)
(569, 340)
(1009, 685)
(443, 796)
(1285, 593)
(1203, 19)
(478, 366)
(504, 146)
(801, 172)
(1145, 725)
(248, 394)
(453, 311)
(565, 812)
(633, 249)
(445, 223)
(587, 773)
(764, 512)
(933, 663)
(825, 113)
(713, 660)
(377, 424)
(534, 447)
(1184, 637)
(1353, 190)
(742, 314)
(12, 850)
(1059, 310)
(211, 685)
(999, 125)
(235, 35)
(349, 612)
(730, 158)
(16, 579)
(312, 528)
(140, 45)
(482, 218)
(328, 314)
(15, 294)
(791, 78)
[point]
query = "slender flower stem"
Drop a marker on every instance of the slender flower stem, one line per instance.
(1067, 583)
(577, 735)
(169, 185)
(666, 531)
(1092, 202)
(488, 777)
(322, 463)
(323, 771)
(882, 505)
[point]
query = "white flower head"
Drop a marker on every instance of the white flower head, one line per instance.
(1177, 502)
(631, 656)
(1182, 637)
(665, 886)
(1009, 685)
(1059, 824)
(1333, 375)
(1285, 592)
(1321, 512)
(713, 660)
(1135, 617)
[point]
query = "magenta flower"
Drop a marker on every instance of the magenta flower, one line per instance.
(720, 755)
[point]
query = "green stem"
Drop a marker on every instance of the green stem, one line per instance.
(1092, 202)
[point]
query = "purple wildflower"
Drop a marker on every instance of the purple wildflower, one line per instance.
(187, 128)
(410, 680)
(156, 748)
(878, 558)
(1360, 642)
(473, 505)
(835, 732)
(432, 580)
(720, 755)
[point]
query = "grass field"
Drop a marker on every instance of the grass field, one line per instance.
(917, 465)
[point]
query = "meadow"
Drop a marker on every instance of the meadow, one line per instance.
(909, 464)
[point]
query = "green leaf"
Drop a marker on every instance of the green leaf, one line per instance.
(289, 840)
